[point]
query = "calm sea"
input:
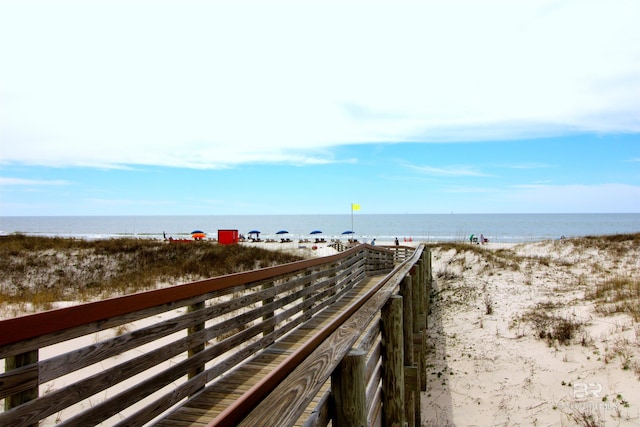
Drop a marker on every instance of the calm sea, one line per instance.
(418, 227)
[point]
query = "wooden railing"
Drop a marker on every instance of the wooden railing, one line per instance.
(130, 360)
(375, 360)
(400, 252)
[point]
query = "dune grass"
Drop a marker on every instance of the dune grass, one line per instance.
(618, 294)
(610, 291)
(41, 270)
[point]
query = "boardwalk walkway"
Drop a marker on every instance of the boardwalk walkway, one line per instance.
(202, 408)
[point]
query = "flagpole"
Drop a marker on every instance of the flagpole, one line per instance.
(352, 231)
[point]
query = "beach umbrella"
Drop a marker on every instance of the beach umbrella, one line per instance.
(347, 232)
(254, 232)
(198, 234)
(282, 232)
(316, 232)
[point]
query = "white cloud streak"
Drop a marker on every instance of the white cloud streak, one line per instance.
(214, 84)
(450, 171)
(9, 181)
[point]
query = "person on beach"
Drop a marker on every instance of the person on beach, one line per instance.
(397, 242)
(373, 242)
(482, 238)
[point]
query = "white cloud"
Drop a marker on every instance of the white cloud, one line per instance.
(212, 84)
(9, 181)
(127, 202)
(449, 171)
(528, 166)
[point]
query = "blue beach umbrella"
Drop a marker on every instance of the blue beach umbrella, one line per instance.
(316, 232)
(282, 232)
(347, 232)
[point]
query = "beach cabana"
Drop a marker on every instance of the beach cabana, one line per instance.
(257, 235)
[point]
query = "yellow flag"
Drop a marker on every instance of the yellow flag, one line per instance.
(355, 207)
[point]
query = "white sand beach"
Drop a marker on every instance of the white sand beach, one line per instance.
(489, 366)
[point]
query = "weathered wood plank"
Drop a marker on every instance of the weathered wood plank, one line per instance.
(373, 361)
(24, 384)
(18, 380)
(320, 415)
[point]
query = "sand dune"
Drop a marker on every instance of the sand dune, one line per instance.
(519, 338)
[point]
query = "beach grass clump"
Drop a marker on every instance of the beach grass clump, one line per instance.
(618, 294)
(552, 327)
(447, 274)
(41, 270)
(587, 418)
(616, 245)
(493, 260)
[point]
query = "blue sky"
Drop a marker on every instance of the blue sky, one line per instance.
(245, 107)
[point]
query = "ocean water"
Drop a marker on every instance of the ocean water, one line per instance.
(417, 227)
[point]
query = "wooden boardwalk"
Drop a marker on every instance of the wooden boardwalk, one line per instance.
(250, 348)
(205, 406)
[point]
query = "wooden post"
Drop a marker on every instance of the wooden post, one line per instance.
(425, 293)
(419, 323)
(415, 298)
(348, 386)
(15, 362)
(392, 363)
(200, 347)
(429, 278)
(266, 301)
(427, 253)
(411, 394)
(420, 278)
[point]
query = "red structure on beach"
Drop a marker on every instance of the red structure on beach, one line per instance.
(227, 237)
